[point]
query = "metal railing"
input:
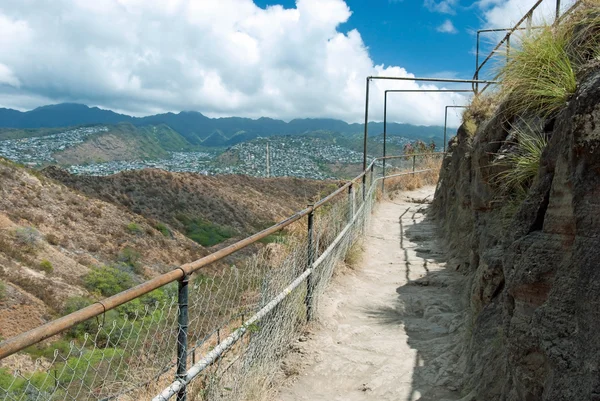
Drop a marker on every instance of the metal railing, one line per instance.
(505, 41)
(196, 339)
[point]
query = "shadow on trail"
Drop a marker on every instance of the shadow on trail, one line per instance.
(428, 308)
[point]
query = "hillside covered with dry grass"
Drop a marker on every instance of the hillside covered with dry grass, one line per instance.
(63, 247)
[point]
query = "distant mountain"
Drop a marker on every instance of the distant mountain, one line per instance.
(198, 129)
(59, 115)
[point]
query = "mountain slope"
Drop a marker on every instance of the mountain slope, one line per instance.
(52, 237)
(124, 142)
(240, 203)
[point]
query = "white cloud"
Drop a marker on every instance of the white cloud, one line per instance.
(443, 6)
(506, 13)
(221, 58)
(447, 27)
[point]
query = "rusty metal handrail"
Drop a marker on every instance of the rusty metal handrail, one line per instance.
(506, 39)
(54, 327)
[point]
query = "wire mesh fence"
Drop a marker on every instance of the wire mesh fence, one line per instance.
(234, 325)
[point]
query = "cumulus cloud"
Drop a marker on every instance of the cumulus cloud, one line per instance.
(447, 27)
(222, 58)
(506, 13)
(443, 6)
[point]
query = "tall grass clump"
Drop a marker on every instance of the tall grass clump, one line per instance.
(542, 72)
(521, 164)
(540, 76)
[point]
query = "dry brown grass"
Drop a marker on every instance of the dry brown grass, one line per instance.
(411, 182)
(354, 255)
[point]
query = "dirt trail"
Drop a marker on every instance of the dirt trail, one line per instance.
(389, 330)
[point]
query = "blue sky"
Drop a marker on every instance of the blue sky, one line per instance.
(405, 33)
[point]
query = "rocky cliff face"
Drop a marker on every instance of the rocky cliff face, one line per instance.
(533, 274)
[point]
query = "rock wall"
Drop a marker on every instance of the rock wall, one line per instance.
(532, 276)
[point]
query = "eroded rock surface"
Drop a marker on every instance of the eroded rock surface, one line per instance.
(533, 278)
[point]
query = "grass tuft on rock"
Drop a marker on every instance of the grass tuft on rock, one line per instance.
(542, 72)
(523, 161)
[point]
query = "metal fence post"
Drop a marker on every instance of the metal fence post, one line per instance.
(351, 203)
(414, 162)
(182, 334)
(372, 172)
(311, 259)
(364, 186)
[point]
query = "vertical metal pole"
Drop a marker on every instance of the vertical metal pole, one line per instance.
(351, 204)
(384, 139)
(477, 65)
(445, 127)
(311, 259)
(507, 47)
(557, 11)
(372, 173)
(414, 162)
(182, 334)
(364, 178)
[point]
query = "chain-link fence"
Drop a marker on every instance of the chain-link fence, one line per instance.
(219, 331)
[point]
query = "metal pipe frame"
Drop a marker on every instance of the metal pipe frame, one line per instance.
(372, 78)
(385, 95)
(446, 121)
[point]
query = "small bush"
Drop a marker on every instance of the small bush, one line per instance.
(52, 239)
(131, 258)
(164, 230)
(27, 237)
(46, 266)
(134, 228)
(480, 109)
(107, 281)
(521, 164)
(73, 304)
(2, 290)
(354, 255)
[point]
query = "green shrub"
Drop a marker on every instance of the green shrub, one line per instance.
(27, 237)
(164, 230)
(46, 266)
(204, 232)
(107, 281)
(131, 258)
(2, 290)
(134, 228)
(521, 165)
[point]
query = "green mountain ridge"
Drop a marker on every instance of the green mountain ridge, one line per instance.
(195, 127)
